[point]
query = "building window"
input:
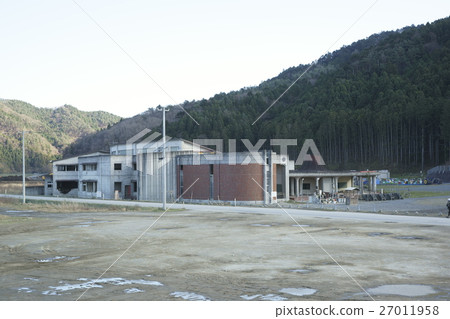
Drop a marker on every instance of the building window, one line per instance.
(306, 186)
(118, 187)
(211, 181)
(342, 185)
(90, 167)
(118, 166)
(67, 168)
(134, 186)
(89, 187)
(181, 181)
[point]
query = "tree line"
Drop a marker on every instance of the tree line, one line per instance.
(380, 102)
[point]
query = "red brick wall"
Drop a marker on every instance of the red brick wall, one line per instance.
(230, 182)
(199, 189)
(236, 182)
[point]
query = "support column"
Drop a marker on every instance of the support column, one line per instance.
(286, 181)
(297, 188)
(265, 169)
(361, 185)
(271, 179)
(301, 187)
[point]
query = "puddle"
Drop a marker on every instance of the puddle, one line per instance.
(90, 222)
(261, 225)
(296, 225)
(379, 234)
(402, 290)
(189, 296)
(269, 297)
(85, 224)
(25, 290)
(20, 211)
(170, 228)
(58, 290)
(31, 278)
(75, 226)
(409, 237)
(56, 259)
(121, 282)
(133, 290)
(298, 291)
(302, 271)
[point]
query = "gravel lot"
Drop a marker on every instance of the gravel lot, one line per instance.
(223, 255)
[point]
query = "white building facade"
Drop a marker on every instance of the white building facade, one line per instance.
(128, 171)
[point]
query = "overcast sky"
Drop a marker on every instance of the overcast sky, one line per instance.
(127, 56)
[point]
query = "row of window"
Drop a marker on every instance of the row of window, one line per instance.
(91, 186)
(88, 167)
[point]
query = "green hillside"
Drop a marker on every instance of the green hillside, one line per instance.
(382, 102)
(52, 130)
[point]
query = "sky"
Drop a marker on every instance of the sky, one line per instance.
(124, 57)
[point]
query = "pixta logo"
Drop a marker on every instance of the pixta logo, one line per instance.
(146, 141)
(308, 153)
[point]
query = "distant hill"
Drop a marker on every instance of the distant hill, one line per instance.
(120, 132)
(52, 131)
(381, 102)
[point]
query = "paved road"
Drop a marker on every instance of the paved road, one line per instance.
(297, 214)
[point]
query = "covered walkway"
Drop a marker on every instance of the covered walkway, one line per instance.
(307, 183)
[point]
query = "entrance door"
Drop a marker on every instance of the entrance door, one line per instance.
(127, 191)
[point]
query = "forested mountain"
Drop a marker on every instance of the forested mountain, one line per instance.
(52, 130)
(382, 102)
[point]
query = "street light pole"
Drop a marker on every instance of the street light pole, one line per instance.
(164, 169)
(164, 159)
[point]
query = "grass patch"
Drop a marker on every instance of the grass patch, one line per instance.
(15, 188)
(4, 220)
(71, 207)
(408, 191)
(419, 194)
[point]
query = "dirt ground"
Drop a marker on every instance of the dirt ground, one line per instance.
(198, 255)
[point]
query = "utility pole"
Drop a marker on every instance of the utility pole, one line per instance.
(23, 167)
(164, 169)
